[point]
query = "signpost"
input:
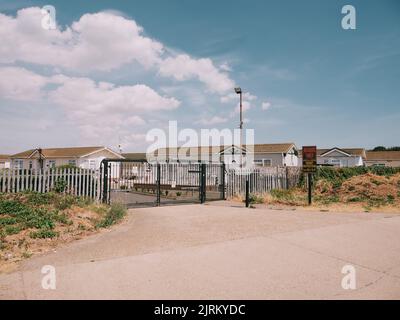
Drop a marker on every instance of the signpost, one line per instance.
(309, 166)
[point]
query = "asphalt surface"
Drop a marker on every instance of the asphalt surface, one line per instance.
(219, 252)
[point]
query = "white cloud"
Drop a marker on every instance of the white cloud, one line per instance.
(212, 121)
(183, 67)
(100, 41)
(234, 97)
(225, 67)
(265, 105)
(94, 106)
(20, 84)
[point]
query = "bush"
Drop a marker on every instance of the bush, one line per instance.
(43, 234)
(60, 185)
(336, 176)
(12, 230)
(255, 199)
(113, 215)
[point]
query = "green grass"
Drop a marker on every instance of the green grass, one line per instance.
(336, 176)
(114, 214)
(43, 211)
(43, 234)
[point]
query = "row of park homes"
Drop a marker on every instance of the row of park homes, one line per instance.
(264, 155)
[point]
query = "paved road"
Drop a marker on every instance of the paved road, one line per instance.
(219, 252)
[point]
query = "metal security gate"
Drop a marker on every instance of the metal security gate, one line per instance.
(138, 183)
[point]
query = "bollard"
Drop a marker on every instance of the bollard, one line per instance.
(247, 193)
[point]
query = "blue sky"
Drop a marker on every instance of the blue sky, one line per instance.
(319, 84)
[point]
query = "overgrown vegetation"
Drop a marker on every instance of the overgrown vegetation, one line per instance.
(336, 176)
(369, 187)
(27, 218)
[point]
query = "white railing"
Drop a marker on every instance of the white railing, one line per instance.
(88, 183)
(77, 181)
(261, 179)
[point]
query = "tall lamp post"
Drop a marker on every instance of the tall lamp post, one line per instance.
(238, 90)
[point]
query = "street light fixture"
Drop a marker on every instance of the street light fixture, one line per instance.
(238, 90)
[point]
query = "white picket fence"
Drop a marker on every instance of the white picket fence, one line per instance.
(78, 182)
(88, 183)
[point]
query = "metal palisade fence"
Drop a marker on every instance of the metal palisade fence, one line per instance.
(75, 181)
(89, 183)
(261, 179)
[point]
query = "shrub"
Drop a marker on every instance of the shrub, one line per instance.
(12, 230)
(113, 215)
(37, 199)
(60, 185)
(8, 221)
(64, 202)
(43, 234)
(178, 194)
(255, 199)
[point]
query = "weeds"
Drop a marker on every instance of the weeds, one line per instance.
(113, 215)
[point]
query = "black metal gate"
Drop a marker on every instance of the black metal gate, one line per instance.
(138, 183)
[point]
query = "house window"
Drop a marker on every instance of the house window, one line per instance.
(92, 164)
(335, 162)
(30, 164)
(263, 162)
(51, 163)
(267, 162)
(18, 164)
(72, 163)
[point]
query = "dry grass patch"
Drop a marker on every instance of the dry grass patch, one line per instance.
(32, 223)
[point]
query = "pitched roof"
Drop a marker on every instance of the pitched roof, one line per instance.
(75, 152)
(383, 155)
(258, 148)
(134, 155)
(351, 151)
(273, 147)
(4, 156)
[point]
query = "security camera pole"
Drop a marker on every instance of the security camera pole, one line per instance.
(238, 90)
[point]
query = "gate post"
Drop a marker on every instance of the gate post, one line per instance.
(223, 180)
(247, 192)
(158, 184)
(203, 183)
(105, 181)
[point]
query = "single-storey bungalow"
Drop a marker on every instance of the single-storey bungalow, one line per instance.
(5, 161)
(340, 157)
(82, 157)
(279, 154)
(383, 158)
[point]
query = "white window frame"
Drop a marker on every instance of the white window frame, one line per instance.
(269, 161)
(92, 164)
(18, 164)
(72, 162)
(51, 163)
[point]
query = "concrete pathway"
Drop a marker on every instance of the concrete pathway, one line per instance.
(220, 252)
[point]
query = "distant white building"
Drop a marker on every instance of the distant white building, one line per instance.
(266, 155)
(5, 161)
(337, 157)
(82, 157)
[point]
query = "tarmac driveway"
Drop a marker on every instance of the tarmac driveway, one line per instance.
(217, 251)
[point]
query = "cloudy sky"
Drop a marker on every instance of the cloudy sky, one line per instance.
(112, 70)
